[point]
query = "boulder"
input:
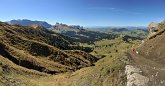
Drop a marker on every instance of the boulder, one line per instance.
(153, 27)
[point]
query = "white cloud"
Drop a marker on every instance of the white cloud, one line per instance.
(112, 8)
(115, 10)
(102, 8)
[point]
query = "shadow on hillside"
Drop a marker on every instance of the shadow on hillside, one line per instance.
(23, 63)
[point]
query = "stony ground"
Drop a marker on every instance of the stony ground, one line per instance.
(151, 72)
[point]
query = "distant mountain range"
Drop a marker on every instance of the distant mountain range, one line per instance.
(26, 22)
(59, 26)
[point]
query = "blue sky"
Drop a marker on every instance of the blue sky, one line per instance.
(85, 12)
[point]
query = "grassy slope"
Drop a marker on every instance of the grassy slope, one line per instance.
(108, 71)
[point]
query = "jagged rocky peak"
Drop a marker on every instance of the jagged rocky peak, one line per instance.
(61, 26)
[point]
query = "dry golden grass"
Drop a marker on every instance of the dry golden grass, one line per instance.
(26, 52)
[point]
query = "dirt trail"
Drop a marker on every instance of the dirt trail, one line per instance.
(154, 71)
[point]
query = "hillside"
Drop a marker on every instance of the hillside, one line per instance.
(35, 51)
(153, 47)
(150, 57)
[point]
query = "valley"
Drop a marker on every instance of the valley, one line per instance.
(35, 56)
(72, 56)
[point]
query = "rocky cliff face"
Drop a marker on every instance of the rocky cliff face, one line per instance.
(26, 22)
(62, 28)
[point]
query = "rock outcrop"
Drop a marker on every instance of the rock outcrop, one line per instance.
(135, 77)
(153, 27)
